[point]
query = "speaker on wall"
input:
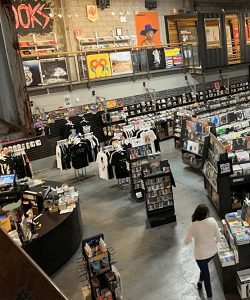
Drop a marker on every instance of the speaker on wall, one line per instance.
(150, 4)
(103, 3)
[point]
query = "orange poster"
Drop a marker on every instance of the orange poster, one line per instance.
(147, 29)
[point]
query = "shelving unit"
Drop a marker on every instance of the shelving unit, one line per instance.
(38, 44)
(159, 198)
(137, 164)
(179, 117)
(194, 141)
(104, 42)
(101, 277)
(230, 150)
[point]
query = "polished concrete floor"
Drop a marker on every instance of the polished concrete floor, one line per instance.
(154, 262)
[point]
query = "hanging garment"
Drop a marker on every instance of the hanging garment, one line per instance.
(102, 162)
(118, 159)
(79, 155)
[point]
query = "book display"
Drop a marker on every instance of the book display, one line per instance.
(159, 197)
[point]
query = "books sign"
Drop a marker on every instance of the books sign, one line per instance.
(32, 16)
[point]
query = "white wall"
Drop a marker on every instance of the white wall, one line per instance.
(83, 96)
(108, 91)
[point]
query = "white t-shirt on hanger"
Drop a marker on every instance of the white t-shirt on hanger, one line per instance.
(102, 161)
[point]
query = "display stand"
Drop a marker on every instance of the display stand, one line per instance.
(137, 156)
(101, 276)
(159, 198)
(194, 142)
(228, 275)
(179, 117)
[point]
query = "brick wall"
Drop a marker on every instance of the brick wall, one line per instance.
(75, 16)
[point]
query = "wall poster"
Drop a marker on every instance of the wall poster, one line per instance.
(121, 63)
(32, 72)
(54, 71)
(156, 59)
(32, 16)
(174, 57)
(98, 65)
(147, 29)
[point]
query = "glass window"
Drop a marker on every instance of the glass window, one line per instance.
(212, 30)
(248, 30)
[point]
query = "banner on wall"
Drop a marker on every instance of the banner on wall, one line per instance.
(32, 16)
(98, 65)
(174, 57)
(92, 13)
(121, 63)
(147, 29)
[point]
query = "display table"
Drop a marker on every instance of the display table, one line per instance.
(59, 238)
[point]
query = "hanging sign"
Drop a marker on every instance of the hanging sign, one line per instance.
(32, 16)
(92, 13)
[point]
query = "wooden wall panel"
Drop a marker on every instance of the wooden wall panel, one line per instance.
(20, 277)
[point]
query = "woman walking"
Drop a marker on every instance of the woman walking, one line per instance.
(206, 234)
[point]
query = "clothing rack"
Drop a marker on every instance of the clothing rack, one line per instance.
(79, 172)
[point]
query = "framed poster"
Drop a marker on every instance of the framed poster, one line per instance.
(98, 65)
(173, 56)
(156, 59)
(32, 72)
(147, 29)
(54, 71)
(121, 63)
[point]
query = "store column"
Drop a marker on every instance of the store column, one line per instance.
(15, 113)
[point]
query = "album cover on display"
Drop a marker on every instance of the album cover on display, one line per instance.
(143, 60)
(32, 72)
(223, 119)
(54, 71)
(121, 63)
(240, 115)
(136, 61)
(239, 144)
(156, 59)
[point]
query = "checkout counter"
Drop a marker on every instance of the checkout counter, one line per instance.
(58, 232)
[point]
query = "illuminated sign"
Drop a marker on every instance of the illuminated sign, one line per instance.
(32, 17)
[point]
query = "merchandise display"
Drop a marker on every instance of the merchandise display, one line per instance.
(103, 278)
(158, 184)
(194, 141)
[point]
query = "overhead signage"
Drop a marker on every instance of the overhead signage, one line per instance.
(32, 16)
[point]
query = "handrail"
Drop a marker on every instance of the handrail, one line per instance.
(115, 49)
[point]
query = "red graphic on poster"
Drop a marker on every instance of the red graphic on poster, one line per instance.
(32, 16)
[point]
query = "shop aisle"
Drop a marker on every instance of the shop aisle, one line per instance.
(154, 263)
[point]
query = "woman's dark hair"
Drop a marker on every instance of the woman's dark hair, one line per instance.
(201, 213)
